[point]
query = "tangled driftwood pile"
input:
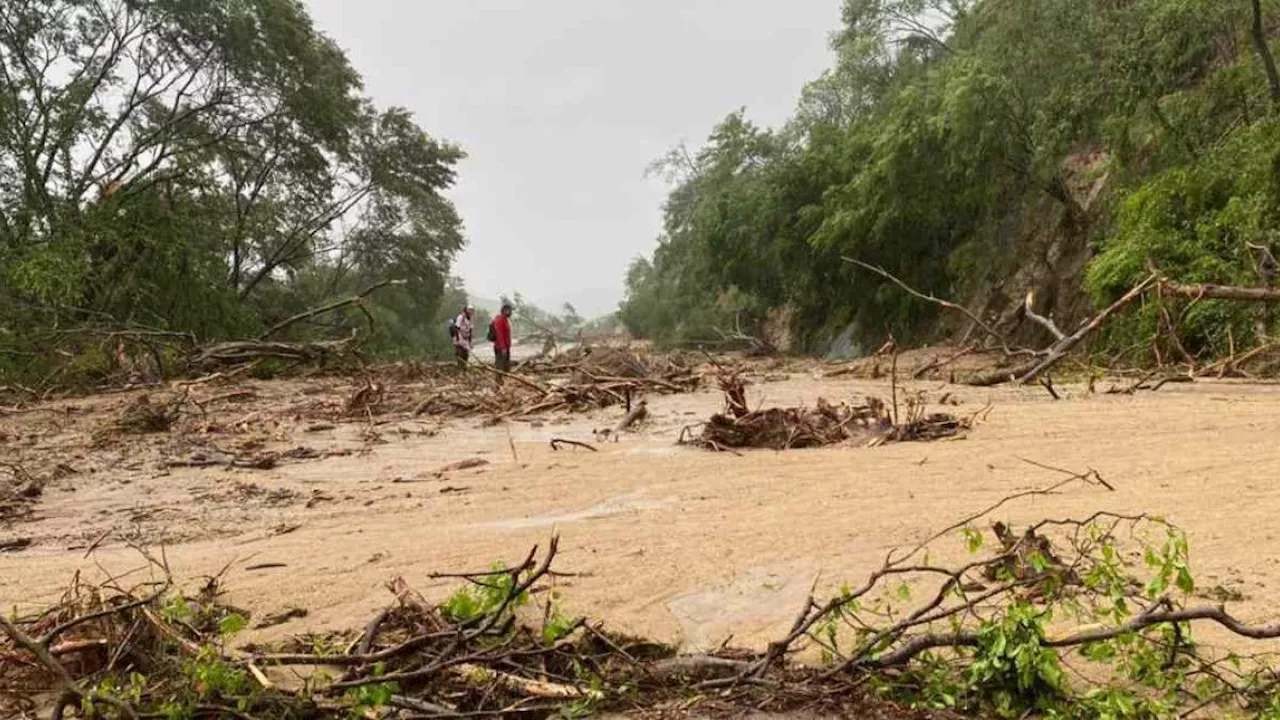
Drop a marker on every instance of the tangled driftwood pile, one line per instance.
(583, 379)
(612, 361)
(825, 424)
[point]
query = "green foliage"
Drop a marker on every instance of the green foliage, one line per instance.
(367, 699)
(1194, 222)
(972, 539)
(129, 689)
(486, 596)
(231, 624)
(212, 677)
(942, 126)
(1011, 668)
(178, 610)
(211, 174)
(556, 625)
(1170, 565)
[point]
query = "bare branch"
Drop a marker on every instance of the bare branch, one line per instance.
(1045, 322)
(326, 308)
(940, 302)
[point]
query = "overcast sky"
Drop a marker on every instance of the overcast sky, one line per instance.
(560, 105)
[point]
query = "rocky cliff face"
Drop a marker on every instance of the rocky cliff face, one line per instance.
(1047, 252)
(1042, 247)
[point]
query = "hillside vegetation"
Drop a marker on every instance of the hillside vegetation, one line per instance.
(204, 170)
(979, 149)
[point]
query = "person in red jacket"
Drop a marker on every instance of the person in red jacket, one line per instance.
(502, 339)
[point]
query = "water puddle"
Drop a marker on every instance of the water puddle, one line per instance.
(612, 506)
(758, 600)
(655, 450)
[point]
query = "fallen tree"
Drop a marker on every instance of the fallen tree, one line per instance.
(1043, 360)
(1064, 344)
(239, 352)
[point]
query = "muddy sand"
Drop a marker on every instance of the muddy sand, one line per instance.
(674, 543)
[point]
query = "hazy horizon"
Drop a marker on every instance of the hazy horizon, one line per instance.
(561, 105)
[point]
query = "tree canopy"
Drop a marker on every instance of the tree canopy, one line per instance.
(206, 166)
(965, 146)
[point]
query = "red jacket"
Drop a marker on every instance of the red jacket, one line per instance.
(502, 329)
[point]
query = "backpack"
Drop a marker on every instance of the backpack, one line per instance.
(493, 332)
(453, 328)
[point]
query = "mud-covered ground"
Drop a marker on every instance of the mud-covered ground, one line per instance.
(312, 503)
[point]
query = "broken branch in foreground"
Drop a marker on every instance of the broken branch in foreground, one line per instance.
(988, 632)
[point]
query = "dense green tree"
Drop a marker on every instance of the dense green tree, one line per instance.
(207, 166)
(947, 132)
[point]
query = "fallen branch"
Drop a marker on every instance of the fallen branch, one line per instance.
(51, 663)
(512, 376)
(1065, 345)
(938, 364)
(1046, 323)
(326, 308)
(524, 686)
(557, 442)
(636, 414)
(918, 645)
(1144, 383)
(1229, 364)
(1004, 345)
(1047, 383)
(1221, 292)
(1054, 353)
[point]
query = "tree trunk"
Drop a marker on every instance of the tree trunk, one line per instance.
(1264, 52)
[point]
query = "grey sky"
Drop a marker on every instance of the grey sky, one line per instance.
(560, 105)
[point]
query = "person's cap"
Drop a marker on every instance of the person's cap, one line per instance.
(508, 306)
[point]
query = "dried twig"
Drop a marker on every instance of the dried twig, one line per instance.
(557, 442)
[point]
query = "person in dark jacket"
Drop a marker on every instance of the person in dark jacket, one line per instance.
(502, 339)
